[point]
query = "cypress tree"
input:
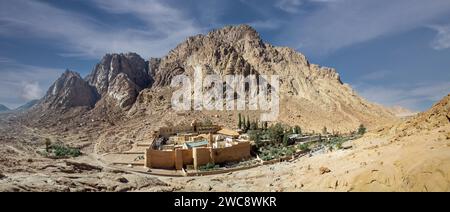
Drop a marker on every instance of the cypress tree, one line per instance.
(240, 121)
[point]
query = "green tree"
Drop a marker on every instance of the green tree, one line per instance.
(276, 133)
(240, 121)
(207, 122)
(254, 125)
(243, 123)
(256, 136)
(265, 125)
(247, 126)
(285, 139)
(361, 129)
(304, 147)
(297, 130)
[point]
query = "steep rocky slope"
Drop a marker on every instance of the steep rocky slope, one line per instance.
(128, 88)
(401, 111)
(27, 105)
(437, 118)
(69, 91)
(119, 78)
(311, 96)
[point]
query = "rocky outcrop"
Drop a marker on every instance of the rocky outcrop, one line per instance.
(3, 108)
(120, 77)
(70, 90)
(400, 111)
(220, 51)
(27, 105)
(311, 95)
(435, 118)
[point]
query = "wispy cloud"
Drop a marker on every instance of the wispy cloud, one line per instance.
(85, 36)
(20, 82)
(290, 6)
(347, 22)
(5, 60)
(31, 90)
(294, 6)
(376, 75)
(412, 96)
(270, 24)
(442, 40)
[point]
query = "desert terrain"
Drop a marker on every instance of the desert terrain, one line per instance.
(385, 159)
(125, 98)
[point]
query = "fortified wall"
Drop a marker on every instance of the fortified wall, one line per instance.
(169, 131)
(179, 158)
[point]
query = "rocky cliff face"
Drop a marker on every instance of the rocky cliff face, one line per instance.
(115, 81)
(120, 78)
(438, 117)
(310, 95)
(27, 105)
(70, 90)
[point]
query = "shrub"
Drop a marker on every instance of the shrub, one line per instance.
(64, 151)
(289, 152)
(339, 145)
(209, 166)
(256, 135)
(361, 129)
(276, 133)
(297, 130)
(304, 147)
(60, 150)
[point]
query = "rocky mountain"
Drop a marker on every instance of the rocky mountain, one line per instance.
(3, 108)
(311, 96)
(115, 81)
(69, 90)
(120, 77)
(27, 105)
(401, 111)
(438, 117)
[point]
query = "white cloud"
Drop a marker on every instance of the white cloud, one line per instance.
(20, 83)
(5, 60)
(84, 36)
(411, 96)
(442, 40)
(31, 90)
(266, 25)
(376, 75)
(290, 6)
(347, 22)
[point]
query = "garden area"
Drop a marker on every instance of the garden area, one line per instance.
(59, 150)
(281, 141)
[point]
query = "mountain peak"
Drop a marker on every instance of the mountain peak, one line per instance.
(236, 35)
(236, 32)
(120, 77)
(69, 73)
(3, 108)
(69, 90)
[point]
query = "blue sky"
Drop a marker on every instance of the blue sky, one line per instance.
(393, 52)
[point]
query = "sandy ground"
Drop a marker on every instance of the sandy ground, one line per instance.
(420, 163)
(414, 162)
